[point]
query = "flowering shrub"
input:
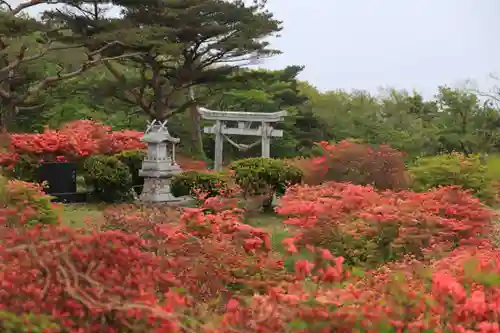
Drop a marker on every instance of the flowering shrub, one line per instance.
(74, 141)
(23, 167)
(362, 164)
(452, 169)
(97, 282)
(368, 227)
(139, 220)
(24, 203)
(126, 140)
(213, 253)
(423, 265)
(8, 159)
(309, 169)
(189, 164)
(456, 294)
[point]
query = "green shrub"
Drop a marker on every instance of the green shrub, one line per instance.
(26, 169)
(452, 169)
(493, 167)
(133, 160)
(257, 176)
(188, 182)
(23, 203)
(26, 323)
(110, 179)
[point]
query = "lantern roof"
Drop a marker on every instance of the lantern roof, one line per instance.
(159, 137)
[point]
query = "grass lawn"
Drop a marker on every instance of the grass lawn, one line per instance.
(76, 215)
(272, 224)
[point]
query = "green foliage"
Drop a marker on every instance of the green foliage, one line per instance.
(452, 169)
(179, 46)
(26, 323)
(26, 169)
(257, 176)
(187, 183)
(493, 166)
(133, 160)
(30, 204)
(109, 177)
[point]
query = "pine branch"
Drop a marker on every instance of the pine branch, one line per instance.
(122, 80)
(21, 55)
(24, 5)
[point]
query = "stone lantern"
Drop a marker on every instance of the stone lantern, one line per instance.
(159, 166)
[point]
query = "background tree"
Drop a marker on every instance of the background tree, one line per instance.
(24, 42)
(180, 44)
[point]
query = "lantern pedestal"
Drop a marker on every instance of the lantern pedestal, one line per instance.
(159, 165)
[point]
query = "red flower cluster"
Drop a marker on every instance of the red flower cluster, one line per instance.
(78, 140)
(74, 141)
(359, 163)
(370, 227)
(166, 270)
(458, 294)
(95, 282)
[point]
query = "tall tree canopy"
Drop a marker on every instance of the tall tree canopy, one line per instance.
(24, 41)
(174, 44)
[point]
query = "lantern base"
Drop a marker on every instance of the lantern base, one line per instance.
(158, 190)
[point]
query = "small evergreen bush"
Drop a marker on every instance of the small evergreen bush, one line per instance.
(261, 176)
(133, 160)
(109, 177)
(25, 168)
(452, 169)
(187, 183)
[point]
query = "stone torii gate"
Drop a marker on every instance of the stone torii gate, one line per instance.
(244, 121)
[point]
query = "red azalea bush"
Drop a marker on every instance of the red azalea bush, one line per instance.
(75, 140)
(189, 164)
(427, 267)
(87, 282)
(310, 174)
(359, 163)
(212, 252)
(369, 227)
(458, 294)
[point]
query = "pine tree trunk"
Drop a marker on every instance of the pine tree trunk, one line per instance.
(196, 136)
(7, 114)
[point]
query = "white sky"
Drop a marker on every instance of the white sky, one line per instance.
(405, 44)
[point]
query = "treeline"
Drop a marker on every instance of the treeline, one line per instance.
(78, 63)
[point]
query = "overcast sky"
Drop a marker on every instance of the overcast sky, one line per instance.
(365, 44)
(407, 44)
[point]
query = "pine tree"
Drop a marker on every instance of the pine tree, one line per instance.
(173, 45)
(24, 43)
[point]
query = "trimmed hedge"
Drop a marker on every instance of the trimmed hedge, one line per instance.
(109, 177)
(257, 176)
(189, 182)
